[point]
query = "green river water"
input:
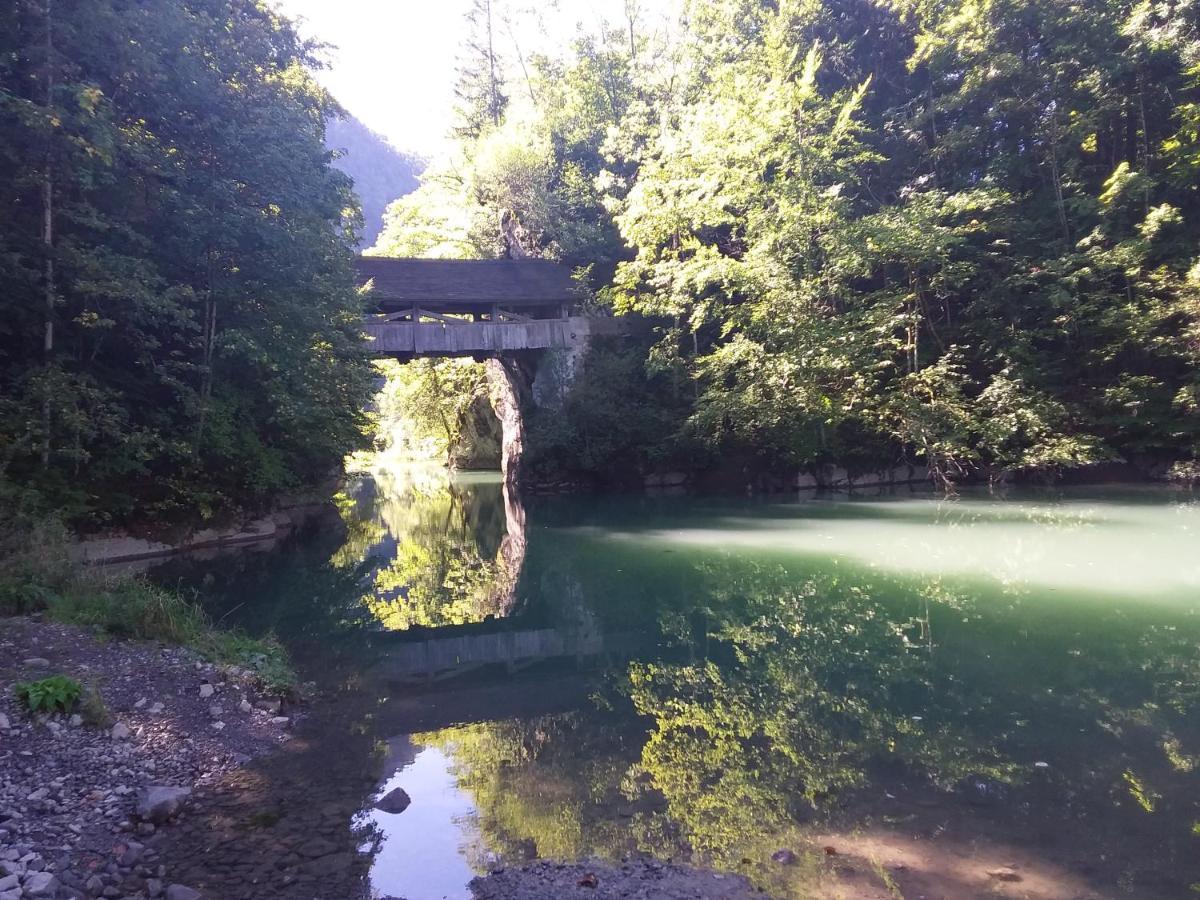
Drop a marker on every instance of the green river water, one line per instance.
(915, 696)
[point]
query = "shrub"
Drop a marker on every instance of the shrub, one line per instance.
(58, 693)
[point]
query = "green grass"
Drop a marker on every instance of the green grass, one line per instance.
(37, 575)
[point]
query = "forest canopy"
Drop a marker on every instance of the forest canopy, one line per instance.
(181, 329)
(863, 232)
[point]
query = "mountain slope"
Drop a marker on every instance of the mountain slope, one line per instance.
(381, 173)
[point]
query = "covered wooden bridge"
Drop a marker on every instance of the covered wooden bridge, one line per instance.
(472, 307)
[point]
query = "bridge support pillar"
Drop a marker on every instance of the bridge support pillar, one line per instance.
(510, 387)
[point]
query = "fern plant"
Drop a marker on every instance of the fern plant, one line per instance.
(58, 693)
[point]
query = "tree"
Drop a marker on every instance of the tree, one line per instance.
(480, 88)
(206, 347)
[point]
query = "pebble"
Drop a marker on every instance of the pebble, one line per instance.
(206, 691)
(36, 662)
(62, 784)
(40, 884)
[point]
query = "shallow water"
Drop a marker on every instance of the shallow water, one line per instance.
(972, 697)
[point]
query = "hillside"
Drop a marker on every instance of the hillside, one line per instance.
(381, 173)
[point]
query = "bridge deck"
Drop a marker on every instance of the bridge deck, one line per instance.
(392, 338)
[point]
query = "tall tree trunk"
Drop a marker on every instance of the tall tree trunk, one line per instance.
(48, 230)
(206, 354)
(495, 101)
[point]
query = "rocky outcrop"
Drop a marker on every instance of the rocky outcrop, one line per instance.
(510, 383)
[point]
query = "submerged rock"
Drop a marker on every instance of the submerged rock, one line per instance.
(396, 801)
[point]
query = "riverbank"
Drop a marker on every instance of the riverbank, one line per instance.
(596, 880)
(84, 805)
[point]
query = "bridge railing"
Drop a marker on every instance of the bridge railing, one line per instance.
(464, 338)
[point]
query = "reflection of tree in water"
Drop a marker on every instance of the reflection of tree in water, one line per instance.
(810, 693)
(548, 787)
(438, 552)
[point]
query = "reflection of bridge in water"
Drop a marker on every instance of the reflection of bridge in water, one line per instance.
(455, 650)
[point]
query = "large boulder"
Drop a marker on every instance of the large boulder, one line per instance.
(158, 803)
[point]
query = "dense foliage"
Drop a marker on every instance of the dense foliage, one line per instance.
(180, 328)
(872, 230)
(436, 409)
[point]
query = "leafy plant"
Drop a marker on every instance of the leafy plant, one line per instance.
(58, 693)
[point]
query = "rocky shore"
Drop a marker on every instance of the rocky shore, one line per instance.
(86, 798)
(633, 880)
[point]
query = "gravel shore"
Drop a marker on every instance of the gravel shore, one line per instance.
(79, 816)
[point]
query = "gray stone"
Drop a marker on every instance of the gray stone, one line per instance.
(94, 885)
(9, 882)
(40, 884)
(36, 662)
(10, 895)
(4, 726)
(216, 711)
(396, 801)
(120, 732)
(132, 855)
(75, 721)
(179, 892)
(784, 857)
(154, 887)
(280, 720)
(158, 803)
(206, 691)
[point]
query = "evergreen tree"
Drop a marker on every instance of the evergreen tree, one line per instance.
(480, 88)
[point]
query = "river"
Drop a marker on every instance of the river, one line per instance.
(893, 695)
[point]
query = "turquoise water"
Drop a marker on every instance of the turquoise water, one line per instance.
(984, 696)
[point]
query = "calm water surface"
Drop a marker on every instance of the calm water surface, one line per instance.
(915, 696)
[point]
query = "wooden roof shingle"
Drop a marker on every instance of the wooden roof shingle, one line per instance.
(466, 282)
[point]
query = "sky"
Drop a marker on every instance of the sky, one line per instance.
(392, 62)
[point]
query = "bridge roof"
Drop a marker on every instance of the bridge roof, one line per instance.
(466, 282)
